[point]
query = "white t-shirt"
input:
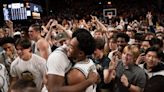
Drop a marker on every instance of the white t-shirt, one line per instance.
(4, 79)
(58, 62)
(34, 69)
(131, 41)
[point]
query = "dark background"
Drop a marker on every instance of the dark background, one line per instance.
(54, 6)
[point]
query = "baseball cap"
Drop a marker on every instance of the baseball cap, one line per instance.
(61, 36)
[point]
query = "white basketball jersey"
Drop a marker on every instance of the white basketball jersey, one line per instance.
(85, 68)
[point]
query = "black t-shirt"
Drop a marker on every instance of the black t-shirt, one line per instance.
(102, 64)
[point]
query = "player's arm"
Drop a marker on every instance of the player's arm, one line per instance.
(57, 82)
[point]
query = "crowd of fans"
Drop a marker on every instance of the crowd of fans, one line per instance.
(84, 52)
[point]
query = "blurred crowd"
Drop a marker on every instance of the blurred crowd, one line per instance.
(75, 50)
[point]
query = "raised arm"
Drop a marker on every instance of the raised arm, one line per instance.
(49, 24)
(99, 23)
(9, 23)
(69, 32)
(150, 22)
(49, 32)
(110, 73)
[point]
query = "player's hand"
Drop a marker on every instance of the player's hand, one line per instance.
(94, 77)
(9, 23)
